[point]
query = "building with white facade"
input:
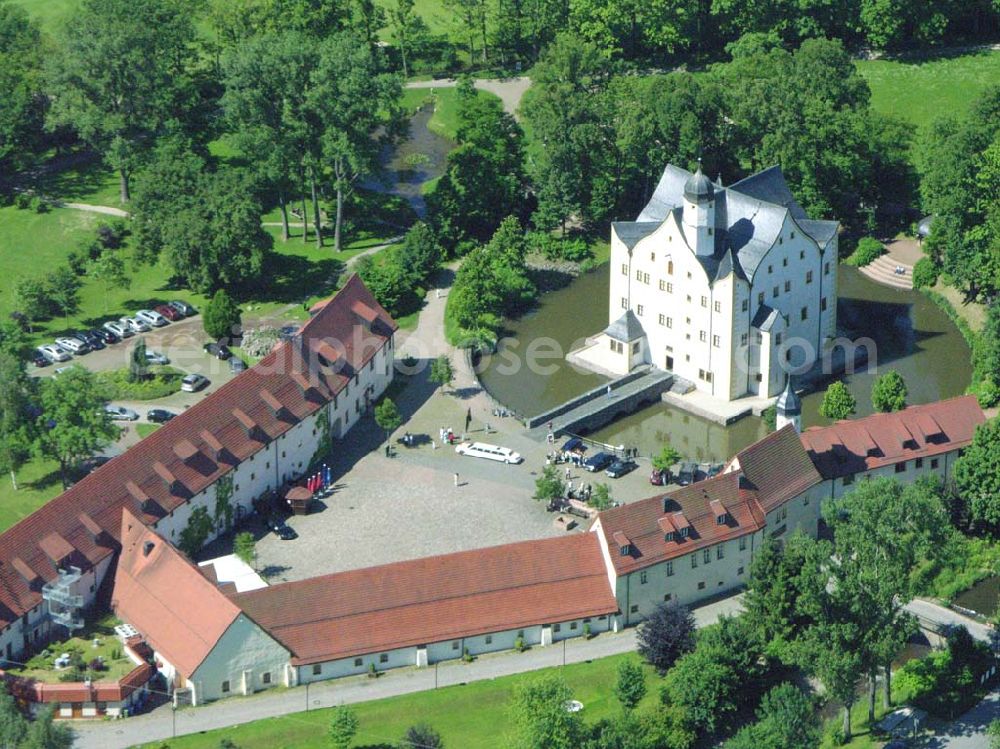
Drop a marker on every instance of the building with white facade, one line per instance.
(723, 286)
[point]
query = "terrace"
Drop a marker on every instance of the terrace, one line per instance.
(95, 653)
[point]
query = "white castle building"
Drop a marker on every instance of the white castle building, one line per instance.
(720, 285)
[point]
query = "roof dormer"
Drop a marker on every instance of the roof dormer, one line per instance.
(681, 524)
(276, 406)
(719, 510)
(251, 427)
(623, 543)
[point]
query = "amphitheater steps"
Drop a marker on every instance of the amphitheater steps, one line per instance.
(883, 271)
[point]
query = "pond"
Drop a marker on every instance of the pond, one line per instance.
(413, 162)
(982, 597)
(911, 333)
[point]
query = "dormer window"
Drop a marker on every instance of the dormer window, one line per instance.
(624, 545)
(668, 536)
(683, 532)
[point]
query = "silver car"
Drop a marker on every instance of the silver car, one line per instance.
(193, 382)
(151, 317)
(120, 413)
(155, 358)
(119, 329)
(135, 324)
(73, 345)
(53, 353)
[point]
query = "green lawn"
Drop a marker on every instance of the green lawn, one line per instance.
(49, 13)
(144, 430)
(444, 121)
(473, 716)
(38, 482)
(109, 649)
(921, 90)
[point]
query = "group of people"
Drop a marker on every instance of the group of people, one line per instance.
(446, 435)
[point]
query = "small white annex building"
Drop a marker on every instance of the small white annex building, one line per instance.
(728, 287)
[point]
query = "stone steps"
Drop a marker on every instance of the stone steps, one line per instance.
(882, 271)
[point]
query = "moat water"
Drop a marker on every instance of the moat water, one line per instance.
(911, 333)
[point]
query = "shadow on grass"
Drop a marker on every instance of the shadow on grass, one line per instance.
(293, 278)
(85, 175)
(49, 480)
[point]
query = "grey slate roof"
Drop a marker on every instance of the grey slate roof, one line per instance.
(764, 318)
(748, 216)
(626, 328)
(788, 402)
(698, 188)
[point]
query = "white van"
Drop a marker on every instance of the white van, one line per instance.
(490, 452)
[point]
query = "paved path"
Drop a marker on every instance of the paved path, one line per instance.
(928, 611)
(969, 731)
(158, 725)
(510, 90)
(105, 209)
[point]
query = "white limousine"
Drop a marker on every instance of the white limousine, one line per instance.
(490, 452)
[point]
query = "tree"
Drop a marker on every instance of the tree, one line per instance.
(73, 423)
(666, 635)
(221, 317)
(62, 286)
(24, 107)
(121, 74)
(993, 731)
(889, 392)
(13, 726)
(541, 720)
(704, 686)
(786, 719)
(838, 403)
(45, 733)
(666, 458)
(630, 686)
(773, 593)
(421, 736)
(404, 25)
(109, 268)
(359, 108)
(343, 726)
(601, 498)
(138, 365)
(31, 299)
(197, 531)
(977, 479)
(16, 389)
(549, 486)
(441, 372)
(387, 416)
(245, 547)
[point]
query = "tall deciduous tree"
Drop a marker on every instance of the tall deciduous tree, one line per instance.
(15, 413)
(221, 317)
(359, 107)
(541, 720)
(666, 635)
(121, 74)
(73, 424)
(343, 726)
(23, 110)
(387, 416)
(889, 392)
(630, 684)
(977, 479)
(838, 403)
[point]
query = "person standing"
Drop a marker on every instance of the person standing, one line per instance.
(456, 479)
(608, 391)
(468, 418)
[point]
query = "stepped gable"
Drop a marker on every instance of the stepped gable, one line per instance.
(690, 514)
(778, 468)
(879, 440)
(434, 599)
(193, 450)
(178, 611)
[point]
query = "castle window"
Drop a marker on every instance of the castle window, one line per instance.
(784, 262)
(645, 278)
(694, 561)
(720, 551)
(802, 253)
(901, 467)
(689, 275)
(704, 301)
(788, 286)
(706, 555)
(770, 269)
(670, 288)
(710, 231)
(780, 240)
(689, 298)
(663, 285)
(701, 585)
(743, 339)
(638, 310)
(718, 306)
(624, 269)
(792, 235)
(745, 305)
(774, 292)
(805, 313)
(716, 341)
(822, 304)
(652, 257)
(934, 462)
(638, 275)
(760, 298)
(809, 276)
(702, 336)
(635, 347)
(826, 268)
(663, 319)
(317, 669)
(670, 569)
(743, 543)
(624, 302)
(670, 267)
(777, 339)
(670, 322)
(643, 578)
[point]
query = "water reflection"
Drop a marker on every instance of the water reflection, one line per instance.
(912, 335)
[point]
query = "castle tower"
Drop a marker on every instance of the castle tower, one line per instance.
(789, 408)
(699, 213)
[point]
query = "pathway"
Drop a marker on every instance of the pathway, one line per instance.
(510, 90)
(969, 731)
(900, 254)
(158, 725)
(928, 611)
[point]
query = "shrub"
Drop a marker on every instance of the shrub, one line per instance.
(867, 251)
(162, 381)
(258, 342)
(221, 317)
(519, 645)
(22, 201)
(38, 205)
(110, 236)
(925, 273)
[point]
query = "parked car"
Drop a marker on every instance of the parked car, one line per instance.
(91, 338)
(489, 452)
(159, 415)
(288, 332)
(120, 413)
(714, 469)
(184, 308)
(620, 467)
(106, 336)
(598, 462)
(659, 478)
(218, 350)
(686, 473)
(135, 324)
(237, 365)
(168, 312)
(73, 345)
(119, 329)
(152, 318)
(62, 370)
(38, 359)
(193, 382)
(154, 357)
(53, 353)
(281, 529)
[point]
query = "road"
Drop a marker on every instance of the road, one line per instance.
(159, 724)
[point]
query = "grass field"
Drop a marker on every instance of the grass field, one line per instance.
(473, 716)
(38, 482)
(921, 90)
(444, 121)
(49, 13)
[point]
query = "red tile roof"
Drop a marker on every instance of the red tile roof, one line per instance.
(435, 599)
(164, 596)
(645, 523)
(130, 481)
(859, 445)
(778, 467)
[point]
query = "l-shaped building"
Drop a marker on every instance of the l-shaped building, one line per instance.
(110, 539)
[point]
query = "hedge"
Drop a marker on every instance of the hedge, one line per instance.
(163, 381)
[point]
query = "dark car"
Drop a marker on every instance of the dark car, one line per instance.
(159, 415)
(106, 336)
(218, 350)
(91, 338)
(598, 462)
(89, 465)
(168, 312)
(288, 332)
(620, 467)
(38, 360)
(184, 308)
(687, 473)
(281, 530)
(237, 365)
